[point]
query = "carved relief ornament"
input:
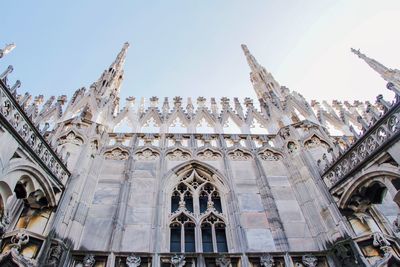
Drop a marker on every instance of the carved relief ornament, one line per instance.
(116, 154)
(315, 141)
(178, 154)
(269, 155)
(209, 154)
(239, 154)
(146, 154)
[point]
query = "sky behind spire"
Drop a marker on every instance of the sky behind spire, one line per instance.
(193, 49)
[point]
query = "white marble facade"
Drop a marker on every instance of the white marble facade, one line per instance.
(203, 179)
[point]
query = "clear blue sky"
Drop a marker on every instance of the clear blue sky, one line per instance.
(192, 48)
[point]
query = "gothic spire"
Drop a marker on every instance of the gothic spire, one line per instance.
(263, 82)
(120, 60)
(392, 76)
(110, 81)
(251, 60)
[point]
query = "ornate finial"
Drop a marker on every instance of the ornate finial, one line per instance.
(7, 49)
(357, 52)
(263, 82)
(6, 72)
(392, 76)
(251, 60)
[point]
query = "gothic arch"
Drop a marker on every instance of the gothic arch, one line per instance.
(315, 139)
(209, 177)
(38, 180)
(5, 193)
(71, 136)
(186, 166)
(372, 176)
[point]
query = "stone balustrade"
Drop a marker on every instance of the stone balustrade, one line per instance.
(14, 116)
(377, 137)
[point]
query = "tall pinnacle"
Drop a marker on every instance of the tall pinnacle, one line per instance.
(120, 60)
(263, 82)
(392, 76)
(110, 81)
(251, 60)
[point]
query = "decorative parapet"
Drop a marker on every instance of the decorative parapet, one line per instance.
(18, 123)
(377, 137)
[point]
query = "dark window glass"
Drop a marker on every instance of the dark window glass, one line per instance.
(189, 202)
(175, 203)
(221, 239)
(189, 238)
(175, 245)
(217, 203)
(206, 235)
(203, 199)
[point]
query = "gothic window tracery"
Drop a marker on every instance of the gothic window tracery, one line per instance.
(197, 220)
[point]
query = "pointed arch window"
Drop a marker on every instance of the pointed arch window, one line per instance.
(197, 220)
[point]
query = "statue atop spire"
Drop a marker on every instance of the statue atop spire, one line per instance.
(264, 84)
(7, 49)
(392, 76)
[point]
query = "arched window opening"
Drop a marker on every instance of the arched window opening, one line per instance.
(188, 201)
(182, 234)
(396, 183)
(190, 237)
(216, 200)
(213, 230)
(175, 201)
(197, 197)
(175, 237)
(203, 199)
(20, 190)
(221, 237)
(206, 235)
(376, 193)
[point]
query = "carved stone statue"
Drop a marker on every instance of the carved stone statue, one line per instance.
(309, 260)
(4, 222)
(267, 261)
(54, 255)
(380, 240)
(133, 261)
(7, 49)
(20, 239)
(178, 260)
(88, 260)
(222, 261)
(396, 225)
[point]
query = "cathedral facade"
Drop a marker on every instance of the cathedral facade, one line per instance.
(276, 181)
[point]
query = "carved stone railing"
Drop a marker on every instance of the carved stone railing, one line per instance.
(18, 123)
(375, 139)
